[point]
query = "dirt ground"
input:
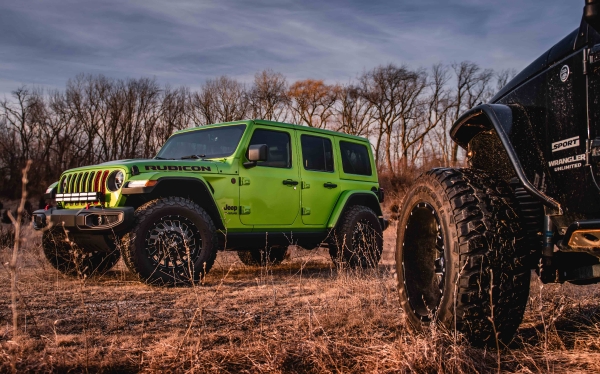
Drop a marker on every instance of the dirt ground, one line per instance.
(301, 316)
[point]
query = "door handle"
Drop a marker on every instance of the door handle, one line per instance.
(329, 185)
(289, 182)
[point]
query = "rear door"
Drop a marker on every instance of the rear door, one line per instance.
(320, 189)
(567, 130)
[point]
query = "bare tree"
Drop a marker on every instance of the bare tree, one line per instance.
(220, 100)
(395, 95)
(173, 116)
(433, 111)
(312, 101)
(472, 87)
(20, 132)
(353, 111)
(268, 98)
(503, 77)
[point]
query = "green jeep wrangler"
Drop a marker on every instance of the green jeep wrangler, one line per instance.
(250, 186)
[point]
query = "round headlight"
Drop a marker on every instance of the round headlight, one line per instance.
(115, 180)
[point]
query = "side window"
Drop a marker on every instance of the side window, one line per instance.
(280, 149)
(355, 158)
(317, 153)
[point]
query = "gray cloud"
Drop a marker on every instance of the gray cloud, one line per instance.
(185, 42)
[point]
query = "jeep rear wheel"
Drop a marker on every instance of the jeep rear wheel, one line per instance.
(358, 239)
(173, 242)
(460, 256)
(263, 256)
(70, 259)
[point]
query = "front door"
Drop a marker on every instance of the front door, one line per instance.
(270, 191)
(320, 189)
(566, 124)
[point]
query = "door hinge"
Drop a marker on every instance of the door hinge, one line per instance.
(244, 181)
(305, 185)
(591, 57)
(586, 61)
(305, 211)
(244, 210)
(592, 151)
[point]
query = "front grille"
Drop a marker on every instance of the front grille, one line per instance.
(82, 186)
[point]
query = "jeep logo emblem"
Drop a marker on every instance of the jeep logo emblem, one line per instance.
(564, 73)
(230, 208)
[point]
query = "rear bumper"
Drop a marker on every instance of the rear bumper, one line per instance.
(93, 220)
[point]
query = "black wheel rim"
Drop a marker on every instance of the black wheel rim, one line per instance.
(424, 261)
(173, 243)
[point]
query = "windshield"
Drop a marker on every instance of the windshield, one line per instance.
(214, 142)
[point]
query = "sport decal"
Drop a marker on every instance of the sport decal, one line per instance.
(565, 144)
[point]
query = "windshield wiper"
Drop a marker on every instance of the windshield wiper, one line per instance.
(193, 156)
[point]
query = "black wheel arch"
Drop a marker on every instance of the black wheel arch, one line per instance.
(368, 199)
(498, 120)
(193, 189)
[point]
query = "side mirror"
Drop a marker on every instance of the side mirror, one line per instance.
(256, 152)
(591, 13)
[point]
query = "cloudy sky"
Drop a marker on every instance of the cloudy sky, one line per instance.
(45, 42)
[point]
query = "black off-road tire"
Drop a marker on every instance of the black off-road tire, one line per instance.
(173, 242)
(70, 259)
(357, 241)
(263, 256)
(460, 256)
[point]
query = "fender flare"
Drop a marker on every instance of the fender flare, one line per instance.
(499, 118)
(352, 197)
(204, 188)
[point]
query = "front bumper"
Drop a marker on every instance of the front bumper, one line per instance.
(92, 220)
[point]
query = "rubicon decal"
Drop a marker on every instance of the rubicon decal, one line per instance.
(565, 144)
(178, 168)
(567, 163)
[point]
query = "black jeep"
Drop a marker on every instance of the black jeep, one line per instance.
(469, 238)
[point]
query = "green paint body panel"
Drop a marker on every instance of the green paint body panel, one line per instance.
(252, 199)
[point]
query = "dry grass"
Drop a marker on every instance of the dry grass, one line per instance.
(301, 316)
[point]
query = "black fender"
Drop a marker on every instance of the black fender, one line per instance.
(197, 190)
(356, 197)
(498, 118)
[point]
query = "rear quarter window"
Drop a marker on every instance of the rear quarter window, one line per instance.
(355, 158)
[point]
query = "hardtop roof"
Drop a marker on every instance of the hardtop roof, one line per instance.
(281, 125)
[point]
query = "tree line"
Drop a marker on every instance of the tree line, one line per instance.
(405, 112)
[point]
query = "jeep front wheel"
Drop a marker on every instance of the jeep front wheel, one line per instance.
(358, 239)
(70, 259)
(460, 256)
(173, 242)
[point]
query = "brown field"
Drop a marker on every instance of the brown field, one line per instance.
(301, 316)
